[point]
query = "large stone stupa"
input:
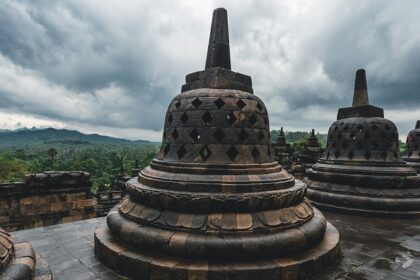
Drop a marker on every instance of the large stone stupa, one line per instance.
(214, 204)
(412, 150)
(361, 170)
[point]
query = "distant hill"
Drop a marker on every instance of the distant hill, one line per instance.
(52, 136)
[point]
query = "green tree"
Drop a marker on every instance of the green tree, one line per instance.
(11, 169)
(52, 153)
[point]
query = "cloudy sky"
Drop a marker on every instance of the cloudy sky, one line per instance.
(112, 67)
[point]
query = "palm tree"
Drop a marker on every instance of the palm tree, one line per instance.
(52, 153)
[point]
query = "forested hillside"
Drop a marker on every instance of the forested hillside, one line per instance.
(38, 150)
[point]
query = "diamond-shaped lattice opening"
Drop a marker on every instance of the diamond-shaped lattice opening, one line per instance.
(351, 154)
(259, 106)
(205, 153)
(261, 135)
(184, 118)
(345, 144)
(337, 153)
(175, 134)
(387, 127)
(196, 103)
(252, 119)
(232, 153)
(335, 128)
(352, 136)
(170, 119)
(384, 155)
(219, 134)
(219, 103)
(243, 135)
(241, 104)
(178, 104)
(346, 127)
(181, 152)
(231, 118)
(166, 150)
(266, 121)
(164, 135)
(207, 118)
(374, 127)
(367, 155)
(374, 145)
(360, 127)
(195, 135)
(255, 153)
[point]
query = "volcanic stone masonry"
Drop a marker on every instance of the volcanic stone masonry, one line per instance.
(214, 204)
(361, 170)
(312, 151)
(17, 261)
(45, 199)
(282, 151)
(412, 150)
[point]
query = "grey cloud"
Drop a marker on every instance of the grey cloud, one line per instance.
(118, 64)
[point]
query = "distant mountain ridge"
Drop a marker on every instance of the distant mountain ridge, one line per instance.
(40, 136)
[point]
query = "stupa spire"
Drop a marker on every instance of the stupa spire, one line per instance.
(313, 133)
(281, 132)
(218, 53)
(360, 97)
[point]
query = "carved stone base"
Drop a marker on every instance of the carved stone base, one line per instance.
(364, 201)
(414, 164)
(144, 265)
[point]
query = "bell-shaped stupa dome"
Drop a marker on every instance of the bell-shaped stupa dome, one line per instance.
(282, 152)
(312, 151)
(214, 204)
(412, 148)
(362, 170)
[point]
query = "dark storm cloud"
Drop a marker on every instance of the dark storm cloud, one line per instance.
(117, 64)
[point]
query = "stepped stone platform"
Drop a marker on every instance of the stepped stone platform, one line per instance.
(372, 248)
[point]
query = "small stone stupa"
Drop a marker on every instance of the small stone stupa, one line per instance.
(412, 148)
(281, 151)
(312, 151)
(361, 170)
(17, 260)
(214, 204)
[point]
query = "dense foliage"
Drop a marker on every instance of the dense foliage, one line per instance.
(299, 136)
(104, 157)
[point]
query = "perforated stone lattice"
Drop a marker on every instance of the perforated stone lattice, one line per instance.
(195, 124)
(373, 139)
(413, 144)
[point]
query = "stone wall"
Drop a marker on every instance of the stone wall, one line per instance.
(45, 199)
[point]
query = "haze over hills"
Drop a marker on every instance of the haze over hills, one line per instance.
(48, 136)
